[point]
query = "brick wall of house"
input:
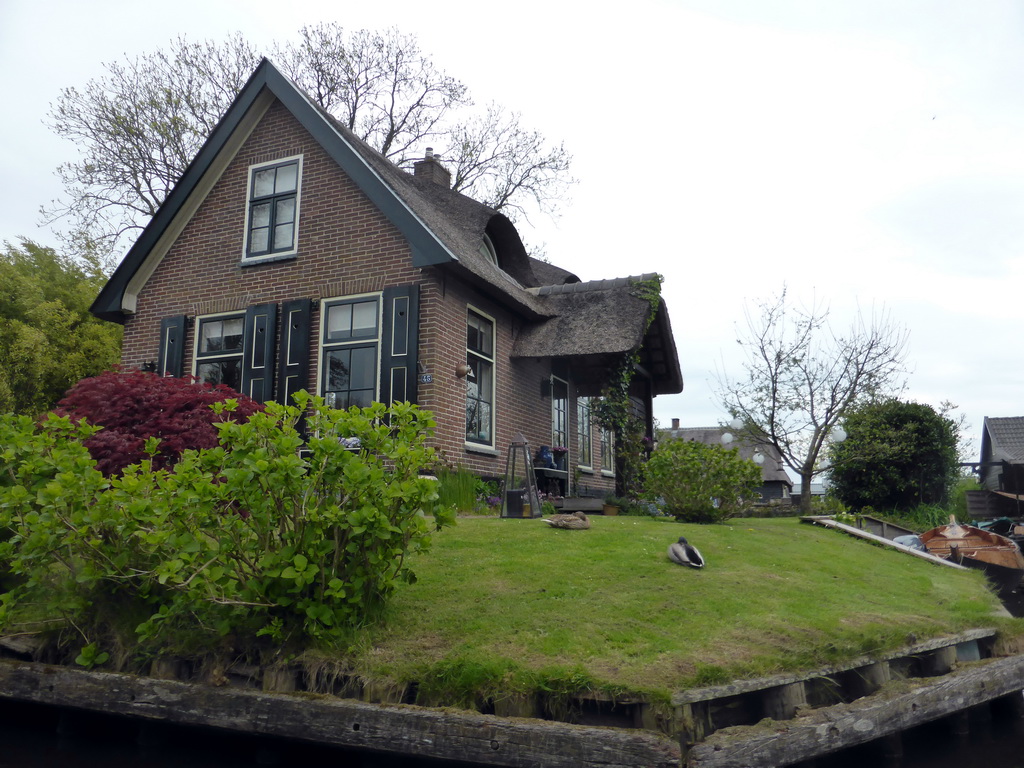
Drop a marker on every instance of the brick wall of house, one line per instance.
(345, 246)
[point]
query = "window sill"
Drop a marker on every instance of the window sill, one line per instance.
(482, 449)
(251, 261)
(585, 470)
(607, 473)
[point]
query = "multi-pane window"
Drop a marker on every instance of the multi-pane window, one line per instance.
(219, 342)
(273, 208)
(351, 335)
(607, 450)
(559, 413)
(480, 380)
(584, 456)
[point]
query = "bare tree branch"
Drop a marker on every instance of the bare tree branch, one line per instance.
(801, 377)
(138, 127)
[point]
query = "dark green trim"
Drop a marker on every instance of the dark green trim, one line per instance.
(293, 365)
(171, 352)
(258, 352)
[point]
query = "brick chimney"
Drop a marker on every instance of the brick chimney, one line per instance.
(430, 168)
(675, 423)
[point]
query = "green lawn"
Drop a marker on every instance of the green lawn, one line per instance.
(516, 605)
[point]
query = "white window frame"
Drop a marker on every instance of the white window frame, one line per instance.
(607, 452)
(246, 258)
(324, 346)
(198, 358)
(559, 440)
(472, 310)
(584, 438)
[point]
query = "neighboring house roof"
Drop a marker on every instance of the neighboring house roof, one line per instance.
(445, 229)
(772, 470)
(1002, 439)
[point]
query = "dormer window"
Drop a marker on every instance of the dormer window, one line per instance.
(273, 209)
(487, 250)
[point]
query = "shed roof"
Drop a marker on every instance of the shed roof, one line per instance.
(1004, 439)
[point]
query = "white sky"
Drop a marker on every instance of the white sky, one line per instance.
(863, 152)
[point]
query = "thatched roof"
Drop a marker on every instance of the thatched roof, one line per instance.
(597, 322)
(548, 274)
(459, 223)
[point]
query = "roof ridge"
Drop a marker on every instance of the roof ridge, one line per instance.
(591, 285)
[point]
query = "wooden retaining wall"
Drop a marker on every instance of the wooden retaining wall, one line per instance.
(441, 734)
(773, 721)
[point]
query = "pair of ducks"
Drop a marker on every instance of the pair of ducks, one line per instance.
(681, 552)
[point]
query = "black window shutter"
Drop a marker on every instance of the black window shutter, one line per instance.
(293, 357)
(171, 357)
(258, 352)
(398, 344)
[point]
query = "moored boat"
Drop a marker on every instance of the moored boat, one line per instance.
(998, 556)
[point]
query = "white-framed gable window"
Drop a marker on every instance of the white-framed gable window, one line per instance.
(350, 350)
(480, 379)
(272, 209)
(488, 251)
(219, 345)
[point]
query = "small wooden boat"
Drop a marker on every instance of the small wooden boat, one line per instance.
(999, 557)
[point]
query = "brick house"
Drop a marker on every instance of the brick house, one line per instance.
(292, 256)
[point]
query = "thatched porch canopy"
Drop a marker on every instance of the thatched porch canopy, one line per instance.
(595, 324)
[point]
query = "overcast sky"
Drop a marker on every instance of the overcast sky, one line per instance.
(862, 152)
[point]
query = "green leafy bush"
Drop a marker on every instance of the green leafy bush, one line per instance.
(257, 537)
(896, 456)
(700, 483)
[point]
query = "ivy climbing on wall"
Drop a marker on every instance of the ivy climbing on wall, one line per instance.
(614, 410)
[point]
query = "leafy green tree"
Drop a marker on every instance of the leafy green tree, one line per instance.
(138, 127)
(701, 483)
(48, 339)
(897, 455)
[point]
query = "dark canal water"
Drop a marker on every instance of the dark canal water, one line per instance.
(33, 736)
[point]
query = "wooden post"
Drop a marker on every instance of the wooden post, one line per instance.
(695, 722)
(378, 692)
(165, 668)
(516, 705)
(781, 703)
(939, 661)
(280, 679)
(869, 679)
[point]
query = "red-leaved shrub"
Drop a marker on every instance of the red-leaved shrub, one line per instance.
(132, 406)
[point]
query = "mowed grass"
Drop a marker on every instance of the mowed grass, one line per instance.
(504, 605)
